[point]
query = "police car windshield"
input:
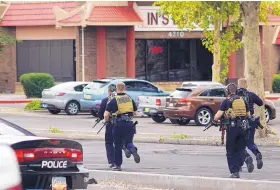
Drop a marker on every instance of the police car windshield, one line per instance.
(97, 84)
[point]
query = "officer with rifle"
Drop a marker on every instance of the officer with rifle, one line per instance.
(251, 99)
(236, 114)
(109, 142)
(122, 108)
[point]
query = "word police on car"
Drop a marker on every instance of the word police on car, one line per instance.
(54, 164)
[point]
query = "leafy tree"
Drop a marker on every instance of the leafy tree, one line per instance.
(253, 12)
(204, 14)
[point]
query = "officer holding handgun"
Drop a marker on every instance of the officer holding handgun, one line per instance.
(252, 99)
(122, 108)
(110, 150)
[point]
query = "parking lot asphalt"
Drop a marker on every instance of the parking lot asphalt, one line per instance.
(82, 123)
(189, 160)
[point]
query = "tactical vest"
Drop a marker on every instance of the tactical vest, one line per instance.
(124, 104)
(236, 107)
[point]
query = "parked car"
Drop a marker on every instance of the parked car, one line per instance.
(189, 84)
(153, 106)
(9, 169)
(45, 162)
(200, 104)
(65, 96)
(98, 89)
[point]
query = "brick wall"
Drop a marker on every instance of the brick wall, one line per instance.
(8, 69)
(271, 56)
(116, 51)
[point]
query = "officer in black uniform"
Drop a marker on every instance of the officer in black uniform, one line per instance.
(122, 108)
(252, 99)
(236, 111)
(110, 150)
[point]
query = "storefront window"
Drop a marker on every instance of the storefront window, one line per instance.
(179, 60)
(172, 60)
(157, 60)
(140, 59)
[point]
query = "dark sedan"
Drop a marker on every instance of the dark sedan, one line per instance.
(45, 163)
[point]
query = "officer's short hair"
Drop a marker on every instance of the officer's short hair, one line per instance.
(120, 86)
(231, 88)
(242, 83)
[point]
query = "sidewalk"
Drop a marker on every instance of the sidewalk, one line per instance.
(21, 99)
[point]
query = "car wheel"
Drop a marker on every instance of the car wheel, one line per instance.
(203, 116)
(183, 121)
(174, 121)
(267, 114)
(158, 119)
(54, 111)
(72, 108)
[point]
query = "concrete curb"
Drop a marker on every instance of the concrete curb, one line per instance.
(184, 182)
(190, 141)
(115, 187)
(24, 101)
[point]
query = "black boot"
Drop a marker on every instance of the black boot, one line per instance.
(234, 175)
(249, 163)
(135, 155)
(117, 168)
(259, 161)
(111, 165)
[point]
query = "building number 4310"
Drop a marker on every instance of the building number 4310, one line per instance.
(176, 34)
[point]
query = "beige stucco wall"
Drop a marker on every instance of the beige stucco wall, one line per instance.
(45, 33)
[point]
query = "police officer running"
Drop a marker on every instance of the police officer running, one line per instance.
(122, 108)
(235, 111)
(252, 99)
(110, 150)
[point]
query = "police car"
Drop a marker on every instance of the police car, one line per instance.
(45, 163)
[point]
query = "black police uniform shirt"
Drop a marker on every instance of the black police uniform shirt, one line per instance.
(112, 106)
(254, 99)
(102, 108)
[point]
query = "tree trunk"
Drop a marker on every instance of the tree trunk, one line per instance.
(216, 67)
(252, 55)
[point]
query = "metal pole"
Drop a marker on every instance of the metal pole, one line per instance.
(83, 54)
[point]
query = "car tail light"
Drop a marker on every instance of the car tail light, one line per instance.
(17, 187)
(158, 102)
(184, 100)
(31, 154)
(60, 94)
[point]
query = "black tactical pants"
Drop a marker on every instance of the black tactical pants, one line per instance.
(235, 147)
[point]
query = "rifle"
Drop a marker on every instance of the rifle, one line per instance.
(96, 122)
(209, 125)
(257, 121)
(223, 129)
(102, 127)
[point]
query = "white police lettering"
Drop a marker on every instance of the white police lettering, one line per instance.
(54, 164)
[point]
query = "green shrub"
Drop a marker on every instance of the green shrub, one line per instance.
(34, 105)
(35, 83)
(276, 83)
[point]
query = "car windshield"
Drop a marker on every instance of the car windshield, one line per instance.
(97, 84)
(7, 128)
(180, 93)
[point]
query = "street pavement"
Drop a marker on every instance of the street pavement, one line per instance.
(189, 160)
(82, 123)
